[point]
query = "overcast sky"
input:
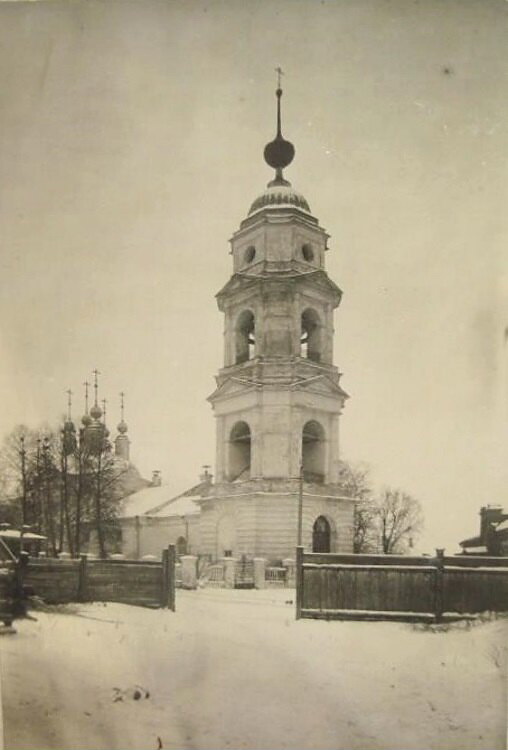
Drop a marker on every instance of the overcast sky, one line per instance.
(131, 139)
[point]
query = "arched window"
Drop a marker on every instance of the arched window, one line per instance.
(313, 452)
(250, 254)
(321, 535)
(245, 336)
(307, 253)
(311, 335)
(181, 545)
(239, 452)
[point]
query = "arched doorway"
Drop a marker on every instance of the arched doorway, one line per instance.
(239, 452)
(321, 534)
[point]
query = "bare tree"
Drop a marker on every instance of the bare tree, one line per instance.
(356, 482)
(400, 519)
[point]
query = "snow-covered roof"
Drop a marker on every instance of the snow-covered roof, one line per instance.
(16, 534)
(183, 506)
(161, 502)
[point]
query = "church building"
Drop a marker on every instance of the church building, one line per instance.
(278, 398)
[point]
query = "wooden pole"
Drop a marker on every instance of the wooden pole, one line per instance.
(168, 577)
(300, 506)
(299, 581)
(82, 578)
(438, 585)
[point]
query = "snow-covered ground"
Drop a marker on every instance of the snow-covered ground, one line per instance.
(233, 669)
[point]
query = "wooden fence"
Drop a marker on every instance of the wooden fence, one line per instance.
(142, 582)
(398, 587)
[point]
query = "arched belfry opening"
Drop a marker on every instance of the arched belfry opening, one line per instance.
(310, 339)
(313, 452)
(239, 452)
(245, 337)
(321, 535)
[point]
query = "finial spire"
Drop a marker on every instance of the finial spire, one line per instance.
(122, 394)
(69, 404)
(86, 384)
(104, 402)
(279, 153)
(96, 384)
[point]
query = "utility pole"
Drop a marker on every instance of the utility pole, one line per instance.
(300, 506)
(22, 453)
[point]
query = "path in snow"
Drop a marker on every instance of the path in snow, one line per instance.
(233, 669)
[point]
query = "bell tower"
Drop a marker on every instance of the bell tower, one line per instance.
(278, 397)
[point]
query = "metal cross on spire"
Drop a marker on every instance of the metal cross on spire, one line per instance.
(104, 402)
(86, 384)
(280, 73)
(122, 394)
(69, 403)
(95, 385)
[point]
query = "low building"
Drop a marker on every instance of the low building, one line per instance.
(493, 536)
(154, 517)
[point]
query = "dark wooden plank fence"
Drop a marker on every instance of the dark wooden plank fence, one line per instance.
(398, 587)
(140, 582)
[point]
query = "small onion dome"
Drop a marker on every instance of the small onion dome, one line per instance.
(280, 196)
(122, 427)
(86, 420)
(96, 411)
(69, 437)
(69, 426)
(106, 432)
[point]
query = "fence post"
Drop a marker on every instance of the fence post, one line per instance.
(168, 577)
(19, 604)
(299, 581)
(83, 579)
(438, 585)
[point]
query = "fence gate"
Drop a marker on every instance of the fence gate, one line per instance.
(244, 574)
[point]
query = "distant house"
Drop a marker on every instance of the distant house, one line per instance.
(493, 537)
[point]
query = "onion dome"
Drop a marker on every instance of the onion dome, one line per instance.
(69, 437)
(94, 437)
(122, 427)
(96, 411)
(278, 154)
(86, 420)
(280, 196)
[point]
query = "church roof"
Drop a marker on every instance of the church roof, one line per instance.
(162, 501)
(279, 196)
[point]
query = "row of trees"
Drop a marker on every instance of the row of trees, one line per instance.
(62, 485)
(388, 521)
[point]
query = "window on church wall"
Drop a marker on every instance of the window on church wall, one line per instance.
(245, 337)
(313, 452)
(307, 252)
(249, 254)
(239, 452)
(310, 340)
